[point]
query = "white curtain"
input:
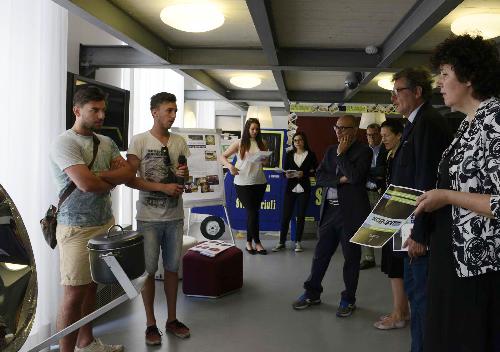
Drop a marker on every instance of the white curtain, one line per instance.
(144, 83)
(205, 114)
(33, 35)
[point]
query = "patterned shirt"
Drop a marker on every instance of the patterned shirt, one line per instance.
(475, 168)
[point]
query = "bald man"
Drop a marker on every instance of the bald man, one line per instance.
(343, 173)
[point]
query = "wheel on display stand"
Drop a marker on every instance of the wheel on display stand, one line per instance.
(212, 227)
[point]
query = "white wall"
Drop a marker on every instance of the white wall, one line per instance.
(233, 123)
(280, 121)
(228, 123)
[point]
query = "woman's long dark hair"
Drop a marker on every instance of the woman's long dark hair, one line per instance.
(245, 138)
(304, 138)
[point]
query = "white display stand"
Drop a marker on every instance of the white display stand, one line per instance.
(132, 290)
(206, 182)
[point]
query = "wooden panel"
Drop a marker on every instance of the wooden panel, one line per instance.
(320, 133)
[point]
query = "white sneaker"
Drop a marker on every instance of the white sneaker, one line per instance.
(98, 346)
(278, 247)
(298, 247)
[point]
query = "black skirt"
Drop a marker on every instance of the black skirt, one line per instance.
(463, 313)
(392, 263)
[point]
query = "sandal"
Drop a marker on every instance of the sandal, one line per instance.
(388, 324)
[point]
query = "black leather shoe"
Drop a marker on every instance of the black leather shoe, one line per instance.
(366, 264)
(263, 252)
(251, 251)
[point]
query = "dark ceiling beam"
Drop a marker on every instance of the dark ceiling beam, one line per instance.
(419, 20)
(253, 95)
(207, 81)
(112, 56)
(328, 59)
(201, 95)
(106, 56)
(316, 96)
(372, 98)
(289, 60)
(111, 19)
(220, 58)
(262, 21)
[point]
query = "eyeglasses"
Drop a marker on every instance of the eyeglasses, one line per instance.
(298, 140)
(342, 128)
(395, 91)
(166, 156)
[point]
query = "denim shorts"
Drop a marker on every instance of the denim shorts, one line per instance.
(166, 235)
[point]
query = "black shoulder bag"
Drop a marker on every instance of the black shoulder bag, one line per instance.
(49, 221)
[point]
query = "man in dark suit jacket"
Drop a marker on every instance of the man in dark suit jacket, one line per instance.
(425, 136)
(375, 184)
(343, 173)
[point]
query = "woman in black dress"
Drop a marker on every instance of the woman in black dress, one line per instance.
(298, 187)
(464, 272)
(392, 264)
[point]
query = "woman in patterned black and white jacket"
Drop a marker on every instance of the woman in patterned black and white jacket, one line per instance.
(464, 271)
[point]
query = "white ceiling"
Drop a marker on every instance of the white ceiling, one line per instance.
(336, 24)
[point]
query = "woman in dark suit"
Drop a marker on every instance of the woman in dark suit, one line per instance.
(298, 187)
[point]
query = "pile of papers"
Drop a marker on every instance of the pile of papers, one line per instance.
(211, 248)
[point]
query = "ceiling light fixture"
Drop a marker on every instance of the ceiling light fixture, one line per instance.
(367, 118)
(386, 83)
(485, 24)
(245, 81)
(14, 267)
(371, 50)
(193, 17)
(262, 113)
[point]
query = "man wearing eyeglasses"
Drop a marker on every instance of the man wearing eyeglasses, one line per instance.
(342, 174)
(160, 215)
(415, 164)
(375, 183)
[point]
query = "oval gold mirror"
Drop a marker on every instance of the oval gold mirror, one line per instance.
(18, 285)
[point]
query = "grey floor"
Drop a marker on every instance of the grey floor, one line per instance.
(259, 317)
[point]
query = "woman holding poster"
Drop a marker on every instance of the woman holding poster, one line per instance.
(392, 264)
(249, 179)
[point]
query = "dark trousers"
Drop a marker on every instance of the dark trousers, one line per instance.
(415, 283)
(251, 196)
(330, 234)
(289, 205)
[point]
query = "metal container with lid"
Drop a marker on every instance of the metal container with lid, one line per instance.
(126, 246)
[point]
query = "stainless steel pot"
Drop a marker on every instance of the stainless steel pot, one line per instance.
(126, 246)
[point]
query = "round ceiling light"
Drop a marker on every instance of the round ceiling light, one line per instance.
(485, 24)
(192, 17)
(245, 81)
(385, 83)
